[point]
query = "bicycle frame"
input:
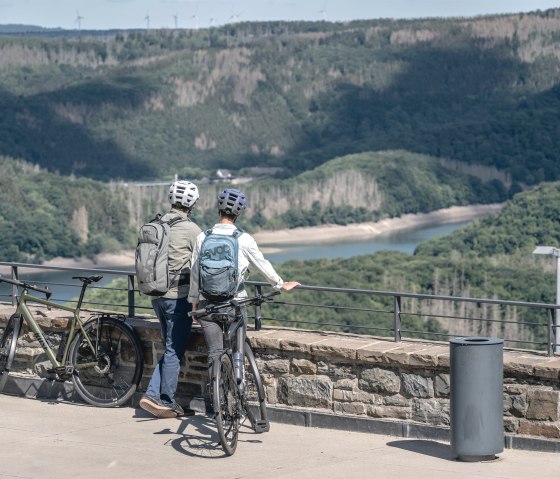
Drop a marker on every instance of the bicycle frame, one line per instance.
(23, 310)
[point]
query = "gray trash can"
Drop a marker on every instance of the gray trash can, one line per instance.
(477, 410)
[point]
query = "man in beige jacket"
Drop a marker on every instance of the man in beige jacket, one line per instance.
(172, 308)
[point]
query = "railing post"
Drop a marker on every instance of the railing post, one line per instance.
(258, 318)
(551, 331)
(131, 296)
(397, 318)
(14, 287)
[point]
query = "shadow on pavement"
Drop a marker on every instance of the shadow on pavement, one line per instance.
(428, 448)
(196, 436)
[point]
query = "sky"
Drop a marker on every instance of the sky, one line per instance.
(109, 14)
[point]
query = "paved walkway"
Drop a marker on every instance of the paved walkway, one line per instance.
(52, 439)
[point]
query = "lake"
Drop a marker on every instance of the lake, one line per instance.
(404, 241)
(65, 288)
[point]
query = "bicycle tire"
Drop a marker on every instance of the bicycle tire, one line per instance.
(116, 365)
(8, 345)
(226, 404)
(254, 393)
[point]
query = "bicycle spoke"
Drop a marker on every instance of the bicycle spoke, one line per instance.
(117, 367)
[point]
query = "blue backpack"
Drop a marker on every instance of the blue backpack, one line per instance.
(218, 277)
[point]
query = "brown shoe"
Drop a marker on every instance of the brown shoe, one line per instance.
(156, 407)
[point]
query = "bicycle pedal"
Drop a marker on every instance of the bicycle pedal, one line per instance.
(261, 426)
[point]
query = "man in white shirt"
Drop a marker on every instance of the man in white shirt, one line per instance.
(231, 203)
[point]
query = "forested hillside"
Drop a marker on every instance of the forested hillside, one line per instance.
(475, 261)
(144, 105)
(43, 215)
(490, 258)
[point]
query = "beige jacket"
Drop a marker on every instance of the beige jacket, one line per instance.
(182, 241)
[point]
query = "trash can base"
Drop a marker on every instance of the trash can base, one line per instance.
(476, 458)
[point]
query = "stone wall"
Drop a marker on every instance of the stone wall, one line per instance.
(356, 376)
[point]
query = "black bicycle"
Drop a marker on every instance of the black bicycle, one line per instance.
(236, 389)
(102, 356)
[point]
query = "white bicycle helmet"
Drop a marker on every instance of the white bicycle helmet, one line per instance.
(183, 192)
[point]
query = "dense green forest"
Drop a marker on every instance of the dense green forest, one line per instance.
(55, 215)
(489, 258)
(473, 261)
(150, 104)
(43, 215)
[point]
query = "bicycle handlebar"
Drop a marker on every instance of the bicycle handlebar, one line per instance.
(214, 308)
(22, 284)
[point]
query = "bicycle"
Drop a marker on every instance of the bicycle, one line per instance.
(102, 356)
(230, 388)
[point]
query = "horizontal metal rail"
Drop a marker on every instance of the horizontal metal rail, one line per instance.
(395, 307)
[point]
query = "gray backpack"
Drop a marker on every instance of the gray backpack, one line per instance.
(152, 253)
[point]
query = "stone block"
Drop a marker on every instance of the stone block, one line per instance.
(354, 408)
(515, 405)
(380, 380)
(346, 384)
(511, 425)
(276, 366)
(548, 369)
(397, 400)
(432, 411)
(544, 405)
(393, 412)
(442, 385)
(515, 388)
(427, 357)
(303, 366)
(353, 396)
(414, 385)
(306, 391)
(375, 352)
(541, 429)
(401, 356)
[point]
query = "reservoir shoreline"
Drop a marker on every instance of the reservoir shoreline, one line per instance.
(272, 241)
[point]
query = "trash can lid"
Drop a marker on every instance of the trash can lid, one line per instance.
(476, 341)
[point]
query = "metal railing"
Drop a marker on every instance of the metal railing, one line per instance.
(400, 307)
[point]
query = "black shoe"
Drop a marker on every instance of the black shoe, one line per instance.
(180, 412)
(155, 406)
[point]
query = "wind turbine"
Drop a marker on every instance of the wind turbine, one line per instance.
(175, 19)
(78, 20)
(323, 12)
(235, 17)
(195, 19)
(211, 22)
(147, 19)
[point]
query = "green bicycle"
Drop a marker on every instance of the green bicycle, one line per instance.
(102, 357)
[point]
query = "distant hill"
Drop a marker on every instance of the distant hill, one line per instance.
(20, 28)
(150, 104)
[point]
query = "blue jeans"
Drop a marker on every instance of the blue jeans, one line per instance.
(175, 328)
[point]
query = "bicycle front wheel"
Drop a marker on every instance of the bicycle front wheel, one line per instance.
(107, 363)
(8, 344)
(226, 405)
(254, 397)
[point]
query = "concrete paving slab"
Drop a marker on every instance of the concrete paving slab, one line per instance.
(55, 439)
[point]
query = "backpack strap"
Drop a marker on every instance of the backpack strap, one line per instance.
(236, 234)
(172, 222)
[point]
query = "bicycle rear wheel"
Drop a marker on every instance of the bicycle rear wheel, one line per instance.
(254, 396)
(8, 344)
(108, 374)
(226, 405)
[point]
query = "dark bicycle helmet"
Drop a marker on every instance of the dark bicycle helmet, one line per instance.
(231, 201)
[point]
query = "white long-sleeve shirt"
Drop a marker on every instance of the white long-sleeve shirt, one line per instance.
(248, 254)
